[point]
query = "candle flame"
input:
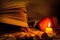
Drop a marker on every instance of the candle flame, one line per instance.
(49, 24)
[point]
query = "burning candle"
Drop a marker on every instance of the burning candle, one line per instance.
(49, 30)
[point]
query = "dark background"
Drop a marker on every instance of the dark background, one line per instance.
(37, 9)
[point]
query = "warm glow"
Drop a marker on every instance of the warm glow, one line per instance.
(45, 23)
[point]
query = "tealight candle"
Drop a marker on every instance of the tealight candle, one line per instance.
(49, 30)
